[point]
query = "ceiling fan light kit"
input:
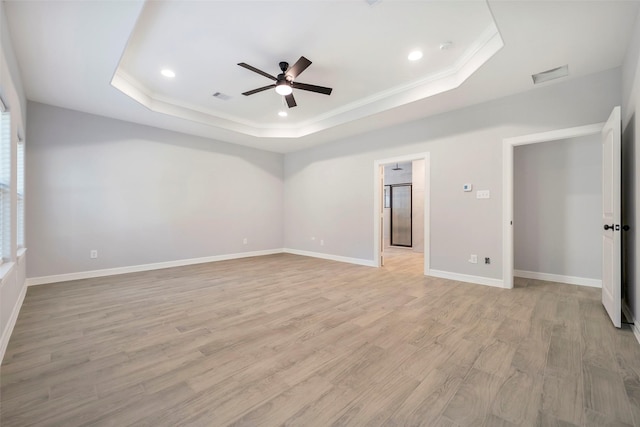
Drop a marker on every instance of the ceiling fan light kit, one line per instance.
(284, 88)
(284, 83)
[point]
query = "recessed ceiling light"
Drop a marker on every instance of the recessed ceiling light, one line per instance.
(282, 113)
(168, 73)
(415, 55)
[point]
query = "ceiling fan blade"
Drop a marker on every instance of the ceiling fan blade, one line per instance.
(291, 102)
(312, 88)
(296, 69)
(260, 89)
(255, 70)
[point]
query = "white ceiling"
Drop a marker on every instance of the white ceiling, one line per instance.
(105, 57)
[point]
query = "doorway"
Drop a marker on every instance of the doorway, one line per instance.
(557, 204)
(508, 185)
(409, 233)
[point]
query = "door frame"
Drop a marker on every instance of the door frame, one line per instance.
(507, 184)
(378, 202)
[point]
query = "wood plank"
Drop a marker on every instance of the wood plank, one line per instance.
(546, 420)
(427, 401)
(519, 398)
(277, 410)
(531, 356)
(496, 358)
(563, 357)
(596, 419)
(562, 397)
(604, 393)
(471, 403)
(325, 409)
(378, 403)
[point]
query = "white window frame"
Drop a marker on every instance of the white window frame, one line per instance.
(20, 212)
(5, 184)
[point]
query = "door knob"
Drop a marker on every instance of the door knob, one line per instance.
(626, 227)
(607, 226)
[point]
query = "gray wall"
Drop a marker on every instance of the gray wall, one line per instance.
(630, 178)
(329, 189)
(557, 204)
(141, 195)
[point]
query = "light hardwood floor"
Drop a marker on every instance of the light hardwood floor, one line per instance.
(291, 340)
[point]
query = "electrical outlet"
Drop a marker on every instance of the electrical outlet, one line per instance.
(93, 254)
(487, 260)
(321, 242)
(244, 241)
(473, 259)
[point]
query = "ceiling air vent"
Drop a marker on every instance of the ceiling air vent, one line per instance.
(555, 73)
(221, 96)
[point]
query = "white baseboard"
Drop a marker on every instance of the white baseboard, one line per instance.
(479, 280)
(635, 327)
(571, 280)
(8, 329)
(358, 261)
(42, 280)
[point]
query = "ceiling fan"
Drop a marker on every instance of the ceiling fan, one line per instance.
(284, 83)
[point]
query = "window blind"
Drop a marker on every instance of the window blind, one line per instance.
(20, 195)
(5, 183)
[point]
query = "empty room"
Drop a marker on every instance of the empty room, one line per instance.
(319, 213)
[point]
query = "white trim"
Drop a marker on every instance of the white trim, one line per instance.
(5, 269)
(635, 327)
(570, 280)
(358, 261)
(479, 280)
(507, 215)
(507, 184)
(488, 43)
(556, 135)
(8, 329)
(426, 156)
(33, 281)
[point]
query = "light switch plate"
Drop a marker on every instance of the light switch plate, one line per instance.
(483, 194)
(467, 187)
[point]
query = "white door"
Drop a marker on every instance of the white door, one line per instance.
(611, 206)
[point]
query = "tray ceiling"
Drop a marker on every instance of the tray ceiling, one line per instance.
(104, 57)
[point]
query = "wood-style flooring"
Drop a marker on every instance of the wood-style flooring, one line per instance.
(297, 341)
